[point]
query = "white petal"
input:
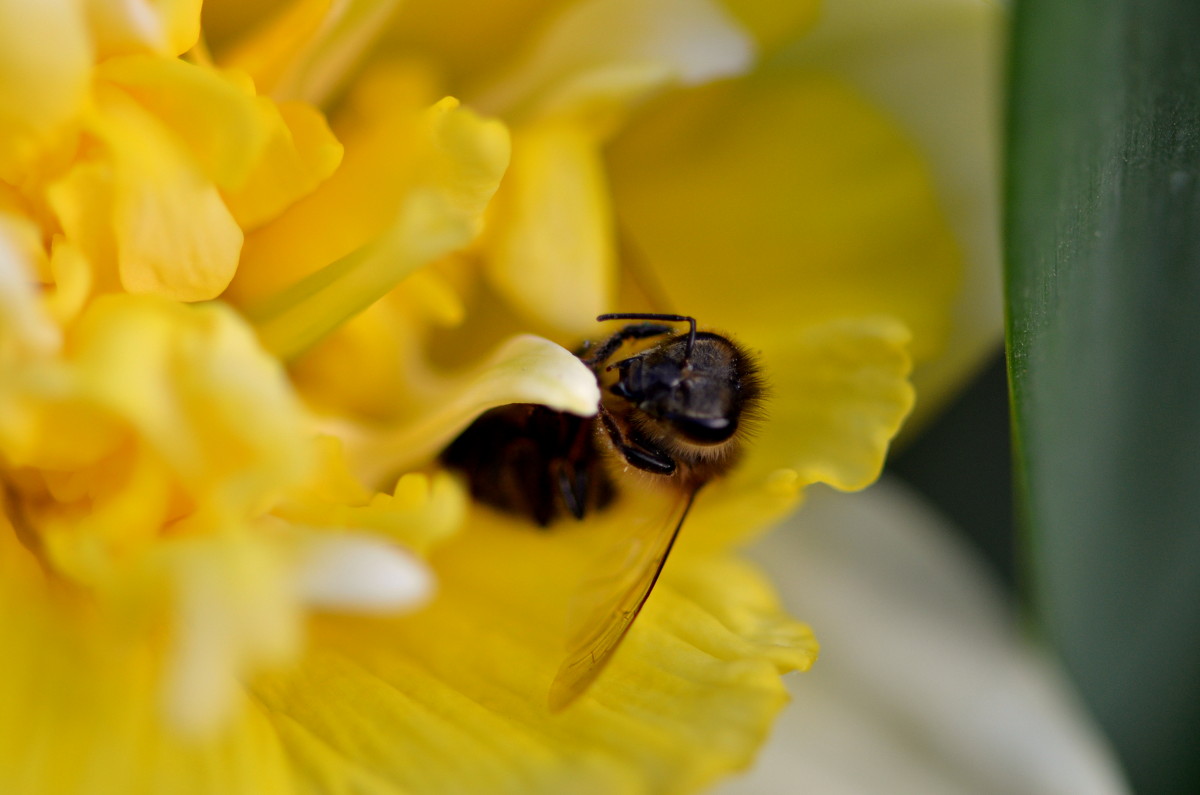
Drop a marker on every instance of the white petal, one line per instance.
(924, 683)
(361, 573)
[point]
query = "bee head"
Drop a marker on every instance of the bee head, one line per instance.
(699, 393)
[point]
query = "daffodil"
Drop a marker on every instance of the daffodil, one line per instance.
(260, 263)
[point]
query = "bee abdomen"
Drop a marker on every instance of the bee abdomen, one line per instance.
(532, 461)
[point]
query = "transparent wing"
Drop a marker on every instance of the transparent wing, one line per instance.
(610, 605)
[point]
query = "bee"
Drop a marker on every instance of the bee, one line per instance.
(674, 406)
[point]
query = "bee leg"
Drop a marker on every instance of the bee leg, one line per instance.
(572, 487)
(636, 331)
(646, 457)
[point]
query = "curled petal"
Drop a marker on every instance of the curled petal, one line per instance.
(526, 369)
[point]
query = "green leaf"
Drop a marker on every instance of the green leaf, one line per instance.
(1103, 235)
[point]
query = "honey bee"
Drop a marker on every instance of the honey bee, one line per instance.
(675, 406)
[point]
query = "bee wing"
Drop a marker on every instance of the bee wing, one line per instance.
(614, 603)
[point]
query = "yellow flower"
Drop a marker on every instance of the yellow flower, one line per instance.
(206, 505)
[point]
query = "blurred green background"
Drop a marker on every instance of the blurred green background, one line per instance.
(1102, 235)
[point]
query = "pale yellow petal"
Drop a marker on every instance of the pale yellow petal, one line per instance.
(174, 235)
(45, 71)
(234, 612)
(549, 247)
(525, 369)
(164, 27)
(688, 41)
(784, 199)
(897, 56)
(221, 125)
(403, 702)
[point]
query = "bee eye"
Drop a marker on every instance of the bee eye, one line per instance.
(704, 430)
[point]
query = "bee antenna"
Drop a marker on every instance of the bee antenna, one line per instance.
(691, 321)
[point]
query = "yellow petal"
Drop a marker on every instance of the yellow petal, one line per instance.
(195, 384)
(82, 202)
(110, 718)
(173, 234)
(838, 394)
(273, 44)
(235, 612)
(300, 153)
(785, 199)
(549, 247)
(842, 393)
(308, 48)
(45, 70)
(421, 511)
(433, 206)
(24, 325)
(368, 366)
(687, 701)
(526, 369)
(73, 280)
(164, 27)
(221, 125)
